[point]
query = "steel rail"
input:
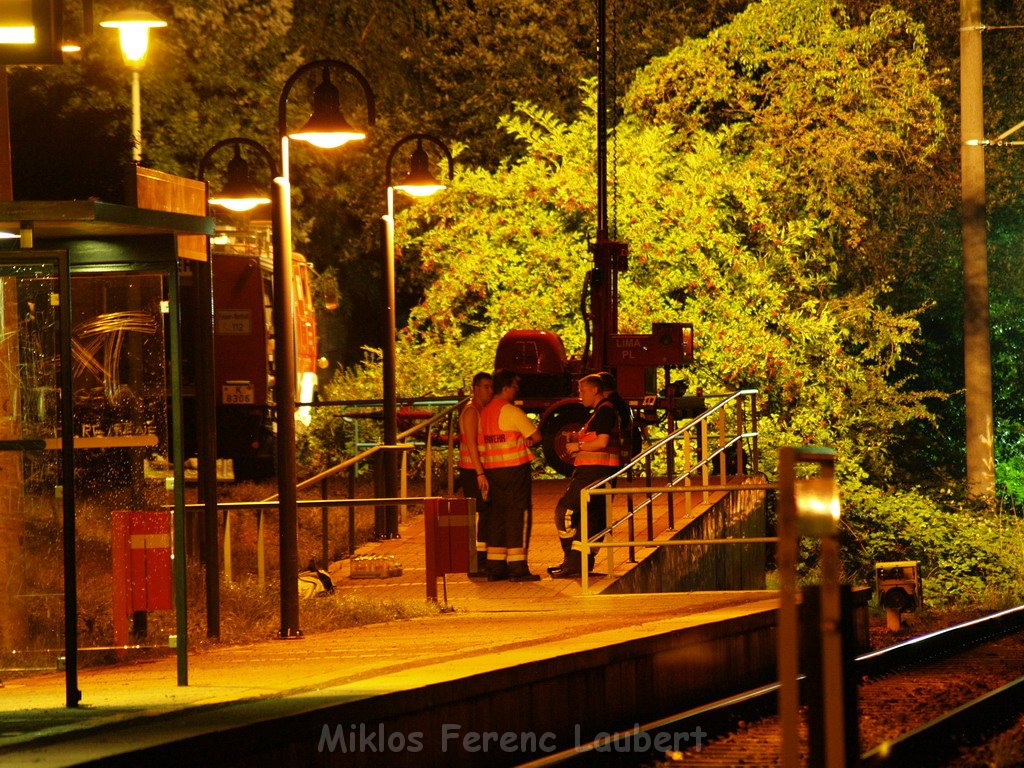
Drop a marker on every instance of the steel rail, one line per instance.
(725, 714)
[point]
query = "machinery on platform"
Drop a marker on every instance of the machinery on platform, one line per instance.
(547, 376)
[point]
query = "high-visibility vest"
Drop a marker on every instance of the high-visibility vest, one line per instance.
(611, 454)
(501, 448)
(465, 460)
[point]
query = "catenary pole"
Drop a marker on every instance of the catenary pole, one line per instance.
(977, 353)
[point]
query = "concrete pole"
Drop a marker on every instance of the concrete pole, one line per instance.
(389, 373)
(136, 118)
(977, 353)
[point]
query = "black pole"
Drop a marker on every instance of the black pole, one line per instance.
(207, 421)
(388, 363)
(602, 125)
(206, 386)
(67, 433)
(610, 257)
(284, 400)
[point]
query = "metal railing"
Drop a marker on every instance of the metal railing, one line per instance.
(706, 444)
(425, 428)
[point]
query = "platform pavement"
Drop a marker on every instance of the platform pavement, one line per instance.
(140, 703)
(492, 625)
(543, 550)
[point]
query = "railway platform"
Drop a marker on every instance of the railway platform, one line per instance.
(535, 663)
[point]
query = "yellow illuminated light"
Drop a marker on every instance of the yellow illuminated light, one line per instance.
(328, 140)
(17, 35)
(71, 48)
(239, 204)
(134, 44)
(134, 27)
(420, 190)
(16, 23)
(817, 506)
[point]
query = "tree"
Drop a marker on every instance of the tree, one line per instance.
(719, 232)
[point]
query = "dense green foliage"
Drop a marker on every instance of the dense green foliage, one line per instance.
(786, 180)
(731, 225)
(770, 208)
(966, 553)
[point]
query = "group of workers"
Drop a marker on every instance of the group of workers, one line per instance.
(494, 469)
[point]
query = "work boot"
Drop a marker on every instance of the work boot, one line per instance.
(571, 568)
(518, 571)
(497, 570)
(566, 548)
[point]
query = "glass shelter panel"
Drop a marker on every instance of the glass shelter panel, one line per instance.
(123, 497)
(31, 518)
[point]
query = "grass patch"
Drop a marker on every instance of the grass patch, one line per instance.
(250, 614)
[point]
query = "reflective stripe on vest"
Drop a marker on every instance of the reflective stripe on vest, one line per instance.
(465, 461)
(611, 454)
(500, 448)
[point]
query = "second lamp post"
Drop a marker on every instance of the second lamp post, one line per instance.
(327, 128)
(418, 182)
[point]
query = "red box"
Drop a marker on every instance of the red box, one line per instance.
(141, 545)
(450, 533)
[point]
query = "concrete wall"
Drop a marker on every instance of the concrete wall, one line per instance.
(708, 567)
(571, 697)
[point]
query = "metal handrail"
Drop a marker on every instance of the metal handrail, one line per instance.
(433, 419)
(331, 471)
(323, 476)
(656, 492)
(708, 459)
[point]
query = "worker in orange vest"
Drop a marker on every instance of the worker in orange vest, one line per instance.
(597, 453)
(508, 434)
(472, 479)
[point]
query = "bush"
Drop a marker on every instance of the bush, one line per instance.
(966, 553)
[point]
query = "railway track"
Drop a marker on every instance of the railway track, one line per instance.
(923, 702)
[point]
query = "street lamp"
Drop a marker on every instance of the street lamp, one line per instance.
(239, 194)
(419, 182)
(133, 27)
(327, 128)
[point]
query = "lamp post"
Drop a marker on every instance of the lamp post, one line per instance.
(239, 194)
(419, 182)
(133, 27)
(327, 128)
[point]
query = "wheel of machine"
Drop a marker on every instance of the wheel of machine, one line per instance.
(557, 429)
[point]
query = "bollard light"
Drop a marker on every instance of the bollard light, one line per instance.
(817, 506)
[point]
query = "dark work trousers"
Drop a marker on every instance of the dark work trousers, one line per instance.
(471, 490)
(510, 516)
(567, 510)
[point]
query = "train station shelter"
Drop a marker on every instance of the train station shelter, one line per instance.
(91, 397)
